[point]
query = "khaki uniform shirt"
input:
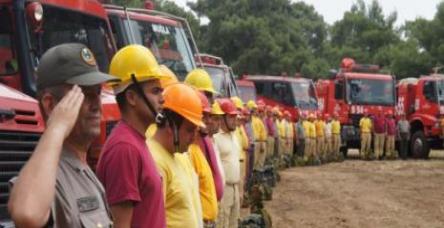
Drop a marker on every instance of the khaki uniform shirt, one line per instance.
(80, 197)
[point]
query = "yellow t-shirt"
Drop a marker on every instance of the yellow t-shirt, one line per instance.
(290, 130)
(365, 124)
(320, 127)
(281, 128)
(259, 131)
(207, 188)
(151, 130)
(177, 188)
(335, 127)
(312, 130)
(306, 126)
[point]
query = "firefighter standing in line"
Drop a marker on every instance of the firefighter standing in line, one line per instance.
(261, 114)
(300, 136)
(328, 137)
(177, 126)
(290, 133)
(200, 159)
(227, 143)
(126, 166)
(380, 130)
(441, 125)
(271, 130)
(365, 126)
(201, 80)
(312, 146)
(250, 155)
(403, 129)
(49, 186)
(390, 139)
(281, 132)
(213, 127)
(243, 142)
(320, 140)
(259, 135)
(336, 137)
(307, 151)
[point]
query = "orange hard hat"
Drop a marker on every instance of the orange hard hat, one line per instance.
(205, 103)
(227, 106)
(185, 101)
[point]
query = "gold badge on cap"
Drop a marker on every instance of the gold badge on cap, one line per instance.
(88, 57)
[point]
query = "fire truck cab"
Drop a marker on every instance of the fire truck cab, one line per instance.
(296, 95)
(354, 90)
(221, 74)
(167, 36)
(422, 101)
(247, 90)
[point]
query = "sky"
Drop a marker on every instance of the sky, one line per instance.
(333, 10)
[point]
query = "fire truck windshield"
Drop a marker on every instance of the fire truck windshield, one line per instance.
(64, 26)
(305, 96)
(370, 92)
(440, 90)
(168, 43)
(8, 63)
(219, 78)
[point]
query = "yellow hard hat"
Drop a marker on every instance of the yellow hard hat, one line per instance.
(172, 79)
(216, 110)
(251, 104)
(238, 102)
(201, 80)
(134, 60)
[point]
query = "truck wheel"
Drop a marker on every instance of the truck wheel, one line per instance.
(419, 146)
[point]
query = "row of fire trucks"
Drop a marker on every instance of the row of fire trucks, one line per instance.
(356, 89)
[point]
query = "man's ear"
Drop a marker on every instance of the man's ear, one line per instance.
(131, 97)
(47, 102)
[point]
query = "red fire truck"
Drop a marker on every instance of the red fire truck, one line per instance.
(422, 101)
(351, 92)
(246, 88)
(295, 94)
(27, 30)
(167, 36)
(221, 74)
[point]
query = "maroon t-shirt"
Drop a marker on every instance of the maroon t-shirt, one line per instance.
(391, 127)
(128, 173)
(379, 124)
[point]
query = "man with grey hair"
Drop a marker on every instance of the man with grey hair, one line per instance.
(56, 187)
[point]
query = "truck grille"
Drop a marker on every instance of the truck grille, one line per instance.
(15, 150)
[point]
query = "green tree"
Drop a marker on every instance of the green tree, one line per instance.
(260, 36)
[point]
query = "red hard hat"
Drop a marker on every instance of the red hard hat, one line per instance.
(205, 103)
(227, 106)
(287, 113)
(245, 111)
(260, 103)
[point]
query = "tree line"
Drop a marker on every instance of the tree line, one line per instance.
(272, 37)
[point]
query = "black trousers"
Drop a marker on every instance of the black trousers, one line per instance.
(403, 145)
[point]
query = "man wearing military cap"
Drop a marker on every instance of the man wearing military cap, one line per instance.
(56, 187)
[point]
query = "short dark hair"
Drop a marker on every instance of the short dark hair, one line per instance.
(121, 97)
(171, 116)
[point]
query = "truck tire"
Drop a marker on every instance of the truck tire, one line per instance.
(419, 146)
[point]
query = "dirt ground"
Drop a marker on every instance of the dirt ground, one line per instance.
(358, 193)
